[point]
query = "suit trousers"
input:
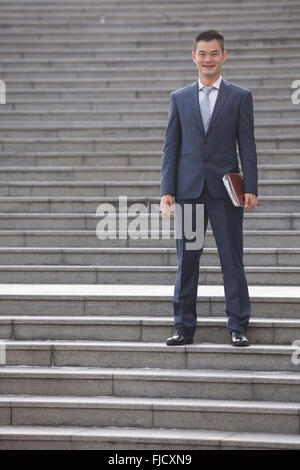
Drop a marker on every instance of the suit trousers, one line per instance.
(226, 221)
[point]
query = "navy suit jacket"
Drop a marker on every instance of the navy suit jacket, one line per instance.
(190, 155)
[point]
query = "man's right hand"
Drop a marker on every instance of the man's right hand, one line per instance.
(166, 205)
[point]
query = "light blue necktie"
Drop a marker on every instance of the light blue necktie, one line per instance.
(205, 106)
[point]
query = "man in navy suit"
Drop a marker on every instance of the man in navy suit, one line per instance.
(206, 122)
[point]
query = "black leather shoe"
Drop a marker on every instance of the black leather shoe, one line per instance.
(181, 336)
(238, 338)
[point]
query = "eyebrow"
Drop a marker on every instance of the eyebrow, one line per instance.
(201, 50)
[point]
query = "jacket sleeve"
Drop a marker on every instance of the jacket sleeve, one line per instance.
(247, 146)
(171, 149)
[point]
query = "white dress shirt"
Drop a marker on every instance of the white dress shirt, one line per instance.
(212, 95)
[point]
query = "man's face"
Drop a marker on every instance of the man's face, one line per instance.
(209, 58)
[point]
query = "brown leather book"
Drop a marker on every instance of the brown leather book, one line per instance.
(233, 183)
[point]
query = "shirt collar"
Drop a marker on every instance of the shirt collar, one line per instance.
(216, 84)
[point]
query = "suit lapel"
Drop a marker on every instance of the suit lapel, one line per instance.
(221, 98)
(196, 106)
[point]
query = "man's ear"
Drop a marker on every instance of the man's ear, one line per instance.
(224, 56)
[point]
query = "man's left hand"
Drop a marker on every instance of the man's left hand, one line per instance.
(251, 201)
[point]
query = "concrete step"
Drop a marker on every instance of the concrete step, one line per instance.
(87, 238)
(73, 274)
(125, 173)
(142, 158)
(89, 204)
(140, 32)
(130, 14)
(158, 383)
(268, 53)
(160, 19)
(132, 438)
(184, 413)
(279, 142)
(88, 144)
(120, 13)
(141, 70)
(39, 115)
(132, 354)
(171, 81)
(159, 11)
(128, 188)
(146, 329)
(137, 91)
(135, 19)
(74, 221)
(137, 300)
(126, 129)
(144, 41)
(123, 107)
(143, 257)
(110, 105)
(93, 7)
(138, 7)
(131, 3)
(136, 57)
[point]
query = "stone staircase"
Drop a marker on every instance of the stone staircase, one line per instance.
(84, 321)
